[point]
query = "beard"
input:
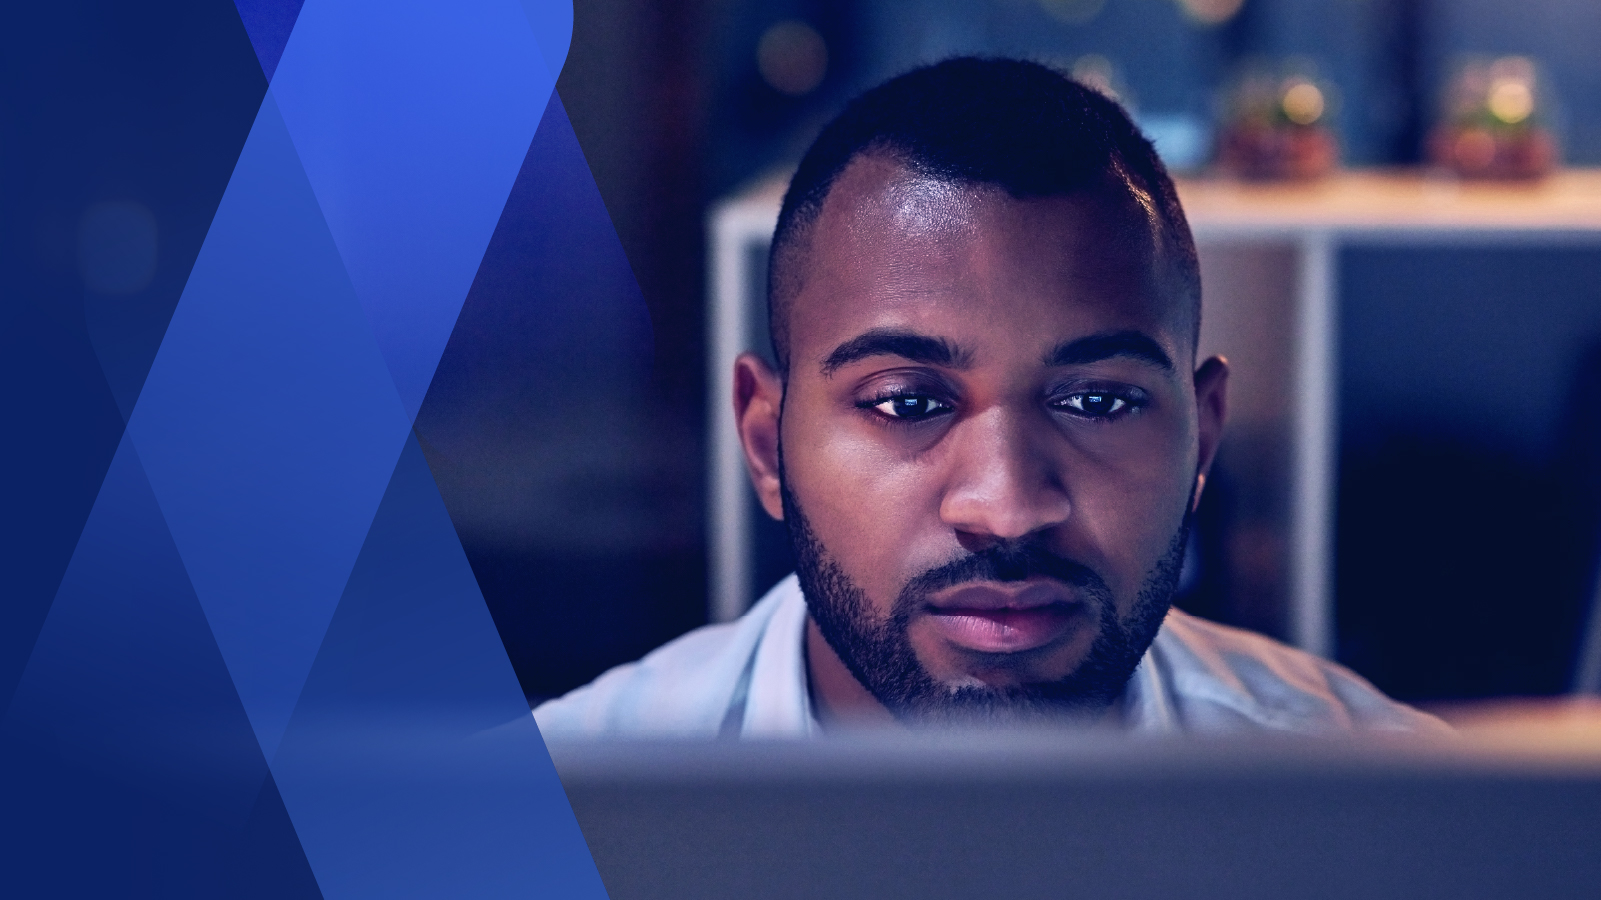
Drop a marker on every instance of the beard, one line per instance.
(878, 652)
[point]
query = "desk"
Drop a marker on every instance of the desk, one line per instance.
(1269, 263)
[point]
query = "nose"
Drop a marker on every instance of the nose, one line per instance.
(1004, 481)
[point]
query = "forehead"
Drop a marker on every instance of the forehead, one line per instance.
(891, 247)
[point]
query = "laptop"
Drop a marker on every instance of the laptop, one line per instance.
(1054, 815)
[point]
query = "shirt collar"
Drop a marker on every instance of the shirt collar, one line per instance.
(778, 703)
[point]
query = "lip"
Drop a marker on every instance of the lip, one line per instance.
(997, 618)
(989, 595)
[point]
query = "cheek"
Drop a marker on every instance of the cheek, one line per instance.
(870, 506)
(1129, 497)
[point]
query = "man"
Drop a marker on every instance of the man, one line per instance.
(987, 436)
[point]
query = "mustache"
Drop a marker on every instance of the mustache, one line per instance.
(1005, 561)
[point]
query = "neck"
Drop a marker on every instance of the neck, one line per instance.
(837, 697)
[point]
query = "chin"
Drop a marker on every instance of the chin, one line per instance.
(973, 705)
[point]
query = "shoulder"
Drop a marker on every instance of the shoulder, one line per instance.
(1224, 678)
(684, 687)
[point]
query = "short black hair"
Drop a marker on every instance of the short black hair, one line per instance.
(1018, 125)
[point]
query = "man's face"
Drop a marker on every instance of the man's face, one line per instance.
(989, 441)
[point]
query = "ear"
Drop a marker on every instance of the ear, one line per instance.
(758, 395)
(1211, 407)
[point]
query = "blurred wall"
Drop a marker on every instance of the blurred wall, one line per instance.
(1470, 470)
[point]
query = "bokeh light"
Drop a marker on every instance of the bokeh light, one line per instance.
(792, 57)
(117, 247)
(1511, 101)
(1511, 95)
(1211, 12)
(1278, 123)
(1474, 149)
(1495, 121)
(1303, 103)
(1097, 72)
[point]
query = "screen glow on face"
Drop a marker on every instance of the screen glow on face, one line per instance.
(991, 428)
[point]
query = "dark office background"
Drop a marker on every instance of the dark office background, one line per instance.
(575, 472)
(1463, 552)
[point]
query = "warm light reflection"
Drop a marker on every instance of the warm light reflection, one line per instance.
(1495, 121)
(1511, 101)
(1277, 124)
(1474, 149)
(792, 57)
(1303, 103)
(1096, 72)
(1211, 12)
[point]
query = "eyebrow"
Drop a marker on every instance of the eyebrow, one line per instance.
(1097, 347)
(919, 348)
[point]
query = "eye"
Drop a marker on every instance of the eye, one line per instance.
(909, 406)
(1095, 405)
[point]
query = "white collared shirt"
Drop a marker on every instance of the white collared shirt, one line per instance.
(747, 678)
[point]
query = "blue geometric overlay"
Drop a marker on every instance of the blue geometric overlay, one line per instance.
(135, 768)
(269, 23)
(399, 779)
(269, 427)
(411, 120)
(553, 31)
(268, 670)
(136, 108)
